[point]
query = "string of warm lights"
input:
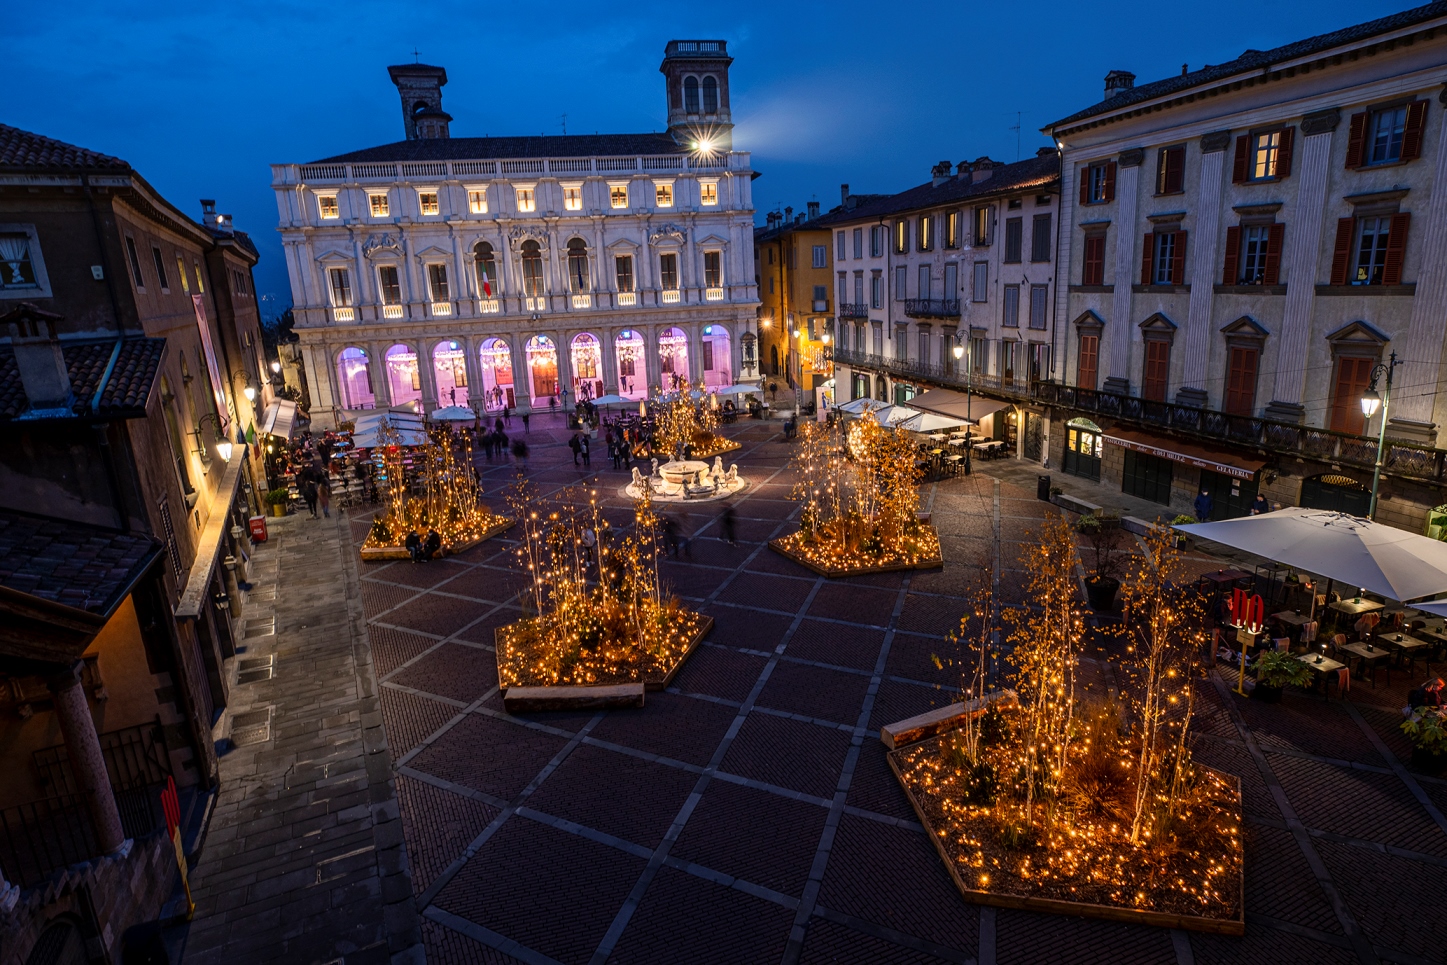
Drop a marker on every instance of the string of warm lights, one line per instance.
(679, 421)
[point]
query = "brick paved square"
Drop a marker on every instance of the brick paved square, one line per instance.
(1359, 804)
(438, 826)
(1280, 883)
(1380, 889)
(788, 753)
(770, 562)
(694, 582)
(1026, 938)
(452, 670)
(898, 701)
(378, 597)
(875, 788)
(931, 615)
(746, 627)
(618, 794)
(570, 721)
(856, 604)
(391, 648)
(417, 575)
(760, 837)
(1264, 944)
(913, 657)
(1309, 724)
(670, 725)
(410, 719)
(435, 613)
(719, 673)
(547, 889)
(687, 919)
(497, 582)
(829, 943)
(713, 551)
(767, 592)
(815, 692)
(489, 755)
(481, 630)
(447, 947)
(841, 644)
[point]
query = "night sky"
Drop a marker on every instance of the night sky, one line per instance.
(200, 98)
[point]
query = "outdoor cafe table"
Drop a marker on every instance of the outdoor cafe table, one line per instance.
(1292, 618)
(937, 437)
(1367, 656)
(1358, 607)
(1224, 577)
(959, 441)
(1322, 667)
(1404, 643)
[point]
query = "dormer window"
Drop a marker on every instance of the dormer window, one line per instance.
(427, 203)
(327, 207)
(380, 207)
(527, 199)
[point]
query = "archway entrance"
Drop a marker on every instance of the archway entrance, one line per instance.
(449, 370)
(587, 367)
(543, 368)
(495, 362)
(629, 347)
(717, 357)
(404, 380)
(673, 359)
(354, 379)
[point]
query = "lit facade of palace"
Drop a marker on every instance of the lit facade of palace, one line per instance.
(511, 271)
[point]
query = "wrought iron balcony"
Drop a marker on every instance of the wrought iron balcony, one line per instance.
(851, 310)
(932, 307)
(948, 374)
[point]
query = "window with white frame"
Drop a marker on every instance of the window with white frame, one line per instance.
(381, 208)
(858, 242)
(839, 249)
(876, 290)
(1265, 152)
(713, 269)
(135, 262)
(527, 198)
(389, 284)
(341, 285)
(663, 193)
(901, 282)
(708, 192)
(821, 253)
(427, 202)
(573, 197)
(876, 241)
(623, 268)
(668, 271)
(437, 281)
(618, 195)
(477, 200)
(327, 207)
(18, 263)
(980, 290)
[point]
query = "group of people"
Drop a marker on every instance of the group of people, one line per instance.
(1205, 505)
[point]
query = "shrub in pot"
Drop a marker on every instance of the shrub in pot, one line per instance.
(1182, 520)
(1103, 537)
(1275, 669)
(276, 499)
(1426, 728)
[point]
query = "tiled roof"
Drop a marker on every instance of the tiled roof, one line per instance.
(1035, 173)
(125, 392)
(555, 145)
(22, 149)
(85, 567)
(1255, 60)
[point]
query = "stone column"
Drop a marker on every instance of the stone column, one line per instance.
(1302, 255)
(695, 351)
(652, 361)
(426, 375)
(609, 360)
(1115, 343)
(522, 372)
(377, 365)
(565, 367)
(87, 764)
(474, 372)
(1203, 271)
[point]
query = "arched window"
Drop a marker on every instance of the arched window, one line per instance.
(532, 269)
(710, 95)
(690, 95)
(486, 265)
(578, 266)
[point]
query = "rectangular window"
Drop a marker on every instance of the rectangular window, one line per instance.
(1170, 170)
(876, 290)
(858, 288)
(389, 284)
(1014, 236)
(842, 289)
(952, 229)
(527, 200)
(876, 241)
(200, 281)
(1011, 318)
(924, 283)
(1385, 132)
(1265, 150)
(572, 197)
(901, 236)
(901, 282)
(1093, 271)
(821, 254)
(980, 291)
(160, 269)
(663, 194)
(983, 222)
(839, 249)
(926, 232)
(135, 261)
(618, 195)
(327, 206)
(623, 266)
(380, 206)
(1089, 356)
(1097, 183)
(708, 193)
(1353, 376)
(713, 271)
(1241, 381)
(1372, 237)
(1039, 295)
(181, 273)
(477, 200)
(1040, 238)
(878, 339)
(341, 287)
(427, 202)
(1168, 258)
(668, 271)
(1157, 370)
(858, 242)
(952, 281)
(924, 345)
(1253, 254)
(1009, 360)
(901, 343)
(437, 282)
(979, 349)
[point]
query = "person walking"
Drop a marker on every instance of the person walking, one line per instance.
(587, 452)
(589, 539)
(506, 416)
(728, 525)
(324, 494)
(525, 423)
(309, 490)
(576, 446)
(1204, 505)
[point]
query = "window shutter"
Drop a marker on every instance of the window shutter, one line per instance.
(1085, 371)
(1147, 254)
(1233, 255)
(1412, 135)
(1341, 255)
(1085, 185)
(1273, 253)
(1158, 368)
(1283, 153)
(1109, 181)
(1175, 169)
(1242, 167)
(1396, 249)
(1094, 271)
(1356, 140)
(1178, 261)
(1241, 381)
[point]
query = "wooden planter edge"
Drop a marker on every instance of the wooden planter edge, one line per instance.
(933, 563)
(373, 553)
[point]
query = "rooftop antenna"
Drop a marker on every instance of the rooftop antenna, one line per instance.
(1016, 128)
(565, 123)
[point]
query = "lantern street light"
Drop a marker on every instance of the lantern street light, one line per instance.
(1371, 402)
(959, 353)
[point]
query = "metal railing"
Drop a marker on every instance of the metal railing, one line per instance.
(932, 307)
(853, 310)
(949, 374)
(398, 170)
(38, 838)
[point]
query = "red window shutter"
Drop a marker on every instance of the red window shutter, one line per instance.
(1396, 249)
(1283, 153)
(1147, 256)
(1356, 140)
(1412, 133)
(1178, 260)
(1352, 378)
(1089, 355)
(1094, 273)
(1085, 185)
(1241, 381)
(1273, 253)
(1109, 181)
(1175, 169)
(1230, 272)
(1241, 170)
(1158, 367)
(1341, 256)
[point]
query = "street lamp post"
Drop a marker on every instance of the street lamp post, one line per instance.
(1371, 401)
(959, 352)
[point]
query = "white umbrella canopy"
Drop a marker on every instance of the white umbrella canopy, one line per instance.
(454, 413)
(860, 406)
(930, 422)
(1438, 608)
(1358, 552)
(894, 415)
(739, 389)
(610, 400)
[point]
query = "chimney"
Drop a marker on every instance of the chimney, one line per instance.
(939, 174)
(1118, 81)
(981, 169)
(212, 220)
(788, 214)
(813, 210)
(962, 170)
(38, 356)
(843, 194)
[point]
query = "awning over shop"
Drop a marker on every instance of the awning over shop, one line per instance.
(208, 547)
(1202, 457)
(279, 419)
(957, 405)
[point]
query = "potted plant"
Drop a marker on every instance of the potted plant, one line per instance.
(1182, 520)
(1275, 669)
(276, 500)
(1426, 728)
(1103, 538)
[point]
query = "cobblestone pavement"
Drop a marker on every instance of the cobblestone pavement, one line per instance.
(303, 862)
(747, 814)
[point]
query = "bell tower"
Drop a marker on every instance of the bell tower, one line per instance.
(420, 87)
(696, 78)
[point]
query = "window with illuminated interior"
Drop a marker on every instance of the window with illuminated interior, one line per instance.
(618, 195)
(477, 200)
(708, 192)
(327, 206)
(573, 197)
(663, 191)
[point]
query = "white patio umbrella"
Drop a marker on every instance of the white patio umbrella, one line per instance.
(453, 413)
(740, 389)
(1378, 558)
(610, 400)
(860, 406)
(930, 422)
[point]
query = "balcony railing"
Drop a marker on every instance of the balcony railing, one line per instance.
(583, 300)
(932, 307)
(852, 310)
(392, 311)
(1287, 438)
(344, 314)
(671, 296)
(713, 294)
(440, 309)
(627, 299)
(393, 171)
(488, 306)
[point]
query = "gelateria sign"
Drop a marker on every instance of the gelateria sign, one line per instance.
(1185, 452)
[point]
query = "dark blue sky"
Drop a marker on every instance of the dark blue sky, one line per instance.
(202, 97)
